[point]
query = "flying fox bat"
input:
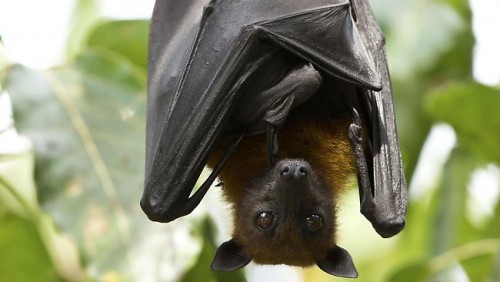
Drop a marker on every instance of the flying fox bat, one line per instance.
(284, 100)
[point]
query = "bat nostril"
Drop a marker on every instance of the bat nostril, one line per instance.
(285, 171)
(303, 171)
(294, 169)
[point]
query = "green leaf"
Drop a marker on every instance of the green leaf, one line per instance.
(479, 267)
(493, 227)
(85, 15)
(21, 198)
(456, 62)
(415, 272)
(472, 254)
(105, 66)
(88, 133)
(471, 109)
(18, 195)
(4, 59)
(126, 38)
(414, 43)
(495, 274)
(22, 253)
(61, 248)
(452, 200)
(428, 43)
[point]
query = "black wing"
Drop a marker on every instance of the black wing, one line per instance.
(381, 182)
(199, 60)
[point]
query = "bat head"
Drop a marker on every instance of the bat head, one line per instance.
(286, 217)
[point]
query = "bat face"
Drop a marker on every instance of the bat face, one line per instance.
(286, 216)
(291, 215)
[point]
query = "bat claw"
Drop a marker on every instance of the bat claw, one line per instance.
(355, 128)
(272, 144)
(356, 119)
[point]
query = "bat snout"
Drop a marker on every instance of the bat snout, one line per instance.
(294, 169)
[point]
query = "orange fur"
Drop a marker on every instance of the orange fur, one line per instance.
(324, 144)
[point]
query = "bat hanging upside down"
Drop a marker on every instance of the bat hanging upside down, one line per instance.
(285, 100)
(284, 199)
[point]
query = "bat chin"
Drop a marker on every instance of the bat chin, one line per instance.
(286, 249)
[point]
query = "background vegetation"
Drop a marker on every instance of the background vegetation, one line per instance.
(69, 203)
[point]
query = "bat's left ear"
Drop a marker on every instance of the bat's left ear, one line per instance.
(338, 262)
(230, 256)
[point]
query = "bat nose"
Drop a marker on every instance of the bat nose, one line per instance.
(294, 169)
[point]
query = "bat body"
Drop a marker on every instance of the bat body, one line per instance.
(265, 86)
(285, 213)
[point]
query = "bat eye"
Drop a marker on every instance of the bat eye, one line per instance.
(264, 220)
(314, 223)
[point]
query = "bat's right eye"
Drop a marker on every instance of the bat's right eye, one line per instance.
(314, 223)
(264, 220)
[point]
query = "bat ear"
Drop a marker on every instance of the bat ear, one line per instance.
(338, 262)
(229, 256)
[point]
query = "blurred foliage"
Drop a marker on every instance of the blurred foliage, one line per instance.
(69, 208)
(477, 124)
